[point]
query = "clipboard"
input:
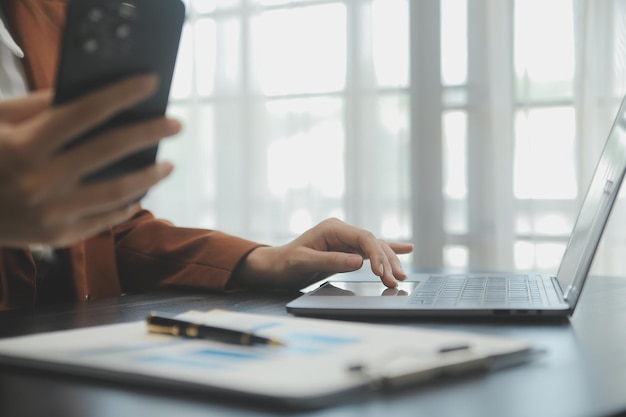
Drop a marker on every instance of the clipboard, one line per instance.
(323, 361)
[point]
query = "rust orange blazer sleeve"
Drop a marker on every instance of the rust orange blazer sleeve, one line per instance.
(151, 252)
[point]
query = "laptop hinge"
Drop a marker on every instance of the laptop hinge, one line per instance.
(558, 289)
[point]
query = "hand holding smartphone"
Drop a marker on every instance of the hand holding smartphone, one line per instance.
(105, 41)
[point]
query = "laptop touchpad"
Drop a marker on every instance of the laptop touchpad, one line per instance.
(364, 289)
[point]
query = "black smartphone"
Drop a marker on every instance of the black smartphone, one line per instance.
(107, 40)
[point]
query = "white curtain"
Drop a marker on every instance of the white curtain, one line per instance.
(295, 111)
(469, 127)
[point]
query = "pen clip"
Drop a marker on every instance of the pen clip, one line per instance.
(169, 326)
(175, 326)
(171, 330)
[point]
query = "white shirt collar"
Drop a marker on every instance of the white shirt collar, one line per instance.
(7, 39)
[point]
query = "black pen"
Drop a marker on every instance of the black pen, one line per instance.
(159, 323)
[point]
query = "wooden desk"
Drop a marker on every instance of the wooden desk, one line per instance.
(582, 373)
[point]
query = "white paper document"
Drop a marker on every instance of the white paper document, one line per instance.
(321, 361)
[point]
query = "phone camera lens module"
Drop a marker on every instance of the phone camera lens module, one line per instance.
(91, 45)
(95, 15)
(127, 10)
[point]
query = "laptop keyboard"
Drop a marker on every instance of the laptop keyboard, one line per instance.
(469, 290)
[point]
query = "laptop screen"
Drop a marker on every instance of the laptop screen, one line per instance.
(594, 211)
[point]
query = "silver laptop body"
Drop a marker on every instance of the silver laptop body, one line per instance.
(488, 294)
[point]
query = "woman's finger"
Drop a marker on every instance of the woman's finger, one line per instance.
(109, 147)
(396, 266)
(59, 126)
(23, 108)
(90, 226)
(93, 199)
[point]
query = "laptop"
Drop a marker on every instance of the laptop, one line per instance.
(487, 294)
